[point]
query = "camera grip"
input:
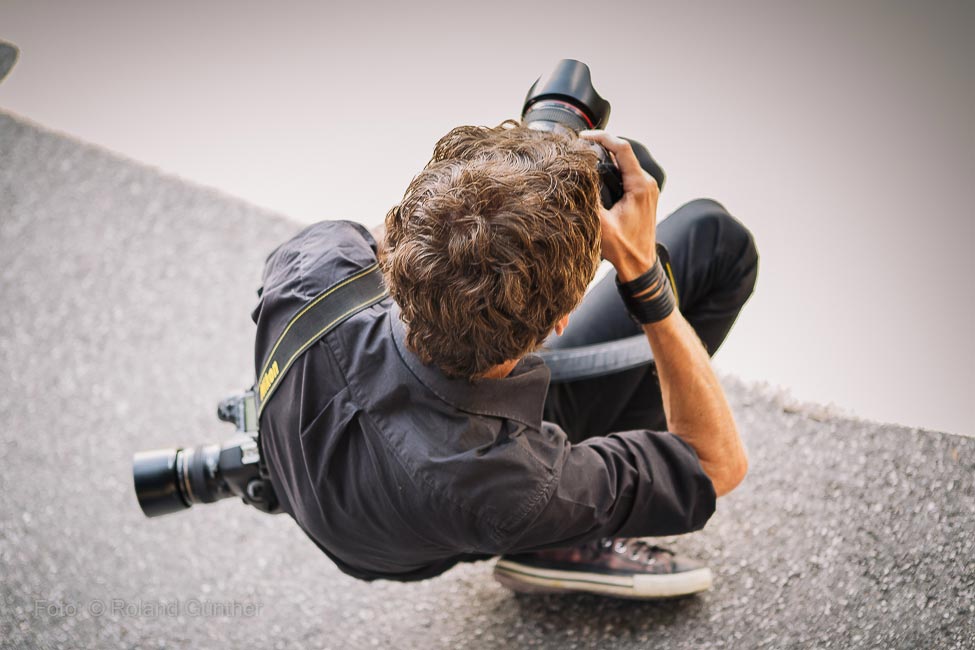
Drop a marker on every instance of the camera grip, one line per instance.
(647, 162)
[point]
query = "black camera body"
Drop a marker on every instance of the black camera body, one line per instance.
(565, 101)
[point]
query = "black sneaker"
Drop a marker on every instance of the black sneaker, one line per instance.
(625, 568)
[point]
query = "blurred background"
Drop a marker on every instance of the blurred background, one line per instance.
(841, 133)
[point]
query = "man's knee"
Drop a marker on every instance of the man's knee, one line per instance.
(724, 237)
(716, 252)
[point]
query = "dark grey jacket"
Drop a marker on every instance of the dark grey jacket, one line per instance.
(398, 472)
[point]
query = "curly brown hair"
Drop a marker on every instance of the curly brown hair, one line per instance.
(494, 241)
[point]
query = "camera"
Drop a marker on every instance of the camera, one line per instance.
(565, 101)
(171, 480)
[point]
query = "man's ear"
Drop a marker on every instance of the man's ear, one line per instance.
(561, 325)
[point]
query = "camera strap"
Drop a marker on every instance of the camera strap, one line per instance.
(324, 313)
(343, 300)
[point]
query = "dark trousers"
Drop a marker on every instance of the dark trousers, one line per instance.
(715, 264)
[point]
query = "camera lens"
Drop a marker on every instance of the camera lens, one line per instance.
(158, 482)
(170, 480)
(201, 474)
(566, 96)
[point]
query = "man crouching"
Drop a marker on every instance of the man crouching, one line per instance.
(423, 432)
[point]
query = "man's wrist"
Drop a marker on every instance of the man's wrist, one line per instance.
(648, 297)
(633, 266)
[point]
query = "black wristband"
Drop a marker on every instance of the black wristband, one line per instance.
(652, 283)
(648, 283)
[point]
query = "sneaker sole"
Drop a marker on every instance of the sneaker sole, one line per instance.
(523, 578)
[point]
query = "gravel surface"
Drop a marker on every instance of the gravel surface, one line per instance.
(126, 296)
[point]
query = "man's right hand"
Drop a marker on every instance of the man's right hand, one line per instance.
(629, 227)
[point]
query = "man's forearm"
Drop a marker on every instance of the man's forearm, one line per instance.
(694, 402)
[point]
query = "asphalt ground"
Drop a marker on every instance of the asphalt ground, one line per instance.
(124, 317)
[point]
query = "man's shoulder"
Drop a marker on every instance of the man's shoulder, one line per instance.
(301, 268)
(318, 256)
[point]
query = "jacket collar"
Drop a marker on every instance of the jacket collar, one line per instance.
(520, 396)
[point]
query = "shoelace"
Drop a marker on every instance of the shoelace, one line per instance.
(635, 548)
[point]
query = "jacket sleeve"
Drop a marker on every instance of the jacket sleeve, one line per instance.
(629, 484)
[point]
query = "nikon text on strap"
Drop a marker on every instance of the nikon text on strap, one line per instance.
(329, 309)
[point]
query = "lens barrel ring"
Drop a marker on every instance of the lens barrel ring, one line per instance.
(557, 115)
(200, 481)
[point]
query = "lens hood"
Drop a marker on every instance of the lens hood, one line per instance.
(570, 82)
(157, 482)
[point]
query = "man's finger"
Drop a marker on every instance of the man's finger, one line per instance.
(633, 175)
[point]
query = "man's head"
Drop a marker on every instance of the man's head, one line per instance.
(494, 242)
